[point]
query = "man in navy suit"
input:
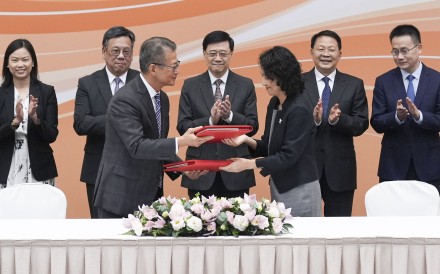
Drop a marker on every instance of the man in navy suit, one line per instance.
(406, 109)
(343, 116)
(231, 102)
(93, 97)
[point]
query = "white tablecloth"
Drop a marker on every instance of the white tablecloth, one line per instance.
(316, 245)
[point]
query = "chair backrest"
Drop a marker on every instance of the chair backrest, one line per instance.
(402, 198)
(32, 201)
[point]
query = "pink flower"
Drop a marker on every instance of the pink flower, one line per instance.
(250, 199)
(149, 213)
(211, 226)
(160, 223)
(230, 216)
(207, 216)
(250, 214)
(149, 226)
(261, 221)
(277, 225)
(197, 208)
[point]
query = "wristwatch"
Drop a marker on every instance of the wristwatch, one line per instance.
(14, 125)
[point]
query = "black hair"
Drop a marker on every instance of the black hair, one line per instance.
(218, 36)
(12, 47)
(410, 30)
(280, 64)
(328, 33)
(115, 32)
(153, 51)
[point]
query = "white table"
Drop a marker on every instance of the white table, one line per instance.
(317, 245)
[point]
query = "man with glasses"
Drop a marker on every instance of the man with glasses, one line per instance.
(136, 146)
(93, 96)
(406, 109)
(218, 97)
(340, 113)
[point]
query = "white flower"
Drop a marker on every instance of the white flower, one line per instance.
(195, 200)
(250, 199)
(240, 222)
(134, 224)
(178, 224)
(277, 225)
(177, 210)
(261, 221)
(273, 211)
(194, 223)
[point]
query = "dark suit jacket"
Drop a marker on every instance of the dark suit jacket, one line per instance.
(290, 157)
(400, 143)
(91, 103)
(334, 143)
(131, 167)
(196, 101)
(39, 137)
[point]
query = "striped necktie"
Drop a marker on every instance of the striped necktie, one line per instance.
(158, 116)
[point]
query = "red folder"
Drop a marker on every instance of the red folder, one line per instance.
(211, 165)
(222, 132)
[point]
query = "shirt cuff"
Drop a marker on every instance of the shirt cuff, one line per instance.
(229, 120)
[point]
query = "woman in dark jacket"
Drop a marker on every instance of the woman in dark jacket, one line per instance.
(28, 119)
(287, 146)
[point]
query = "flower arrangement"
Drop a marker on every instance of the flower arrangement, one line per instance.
(209, 216)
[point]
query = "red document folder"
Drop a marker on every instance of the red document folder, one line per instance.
(222, 132)
(211, 165)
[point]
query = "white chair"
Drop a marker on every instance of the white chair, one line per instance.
(32, 201)
(402, 198)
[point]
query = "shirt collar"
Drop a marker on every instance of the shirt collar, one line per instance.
(416, 73)
(319, 75)
(111, 77)
(213, 78)
(150, 89)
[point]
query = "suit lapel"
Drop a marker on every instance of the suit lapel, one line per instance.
(311, 86)
(206, 91)
(425, 77)
(9, 101)
(104, 86)
(231, 86)
(338, 89)
(145, 98)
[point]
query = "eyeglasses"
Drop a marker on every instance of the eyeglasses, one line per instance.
(403, 51)
(173, 68)
(116, 51)
(214, 54)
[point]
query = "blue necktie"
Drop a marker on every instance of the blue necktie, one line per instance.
(118, 81)
(325, 97)
(410, 91)
(158, 116)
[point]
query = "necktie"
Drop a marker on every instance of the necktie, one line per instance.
(218, 92)
(410, 91)
(325, 97)
(118, 81)
(158, 116)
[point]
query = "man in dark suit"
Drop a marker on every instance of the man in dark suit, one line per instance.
(406, 109)
(93, 96)
(340, 113)
(136, 146)
(230, 102)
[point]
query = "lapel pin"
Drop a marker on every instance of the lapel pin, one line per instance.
(280, 121)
